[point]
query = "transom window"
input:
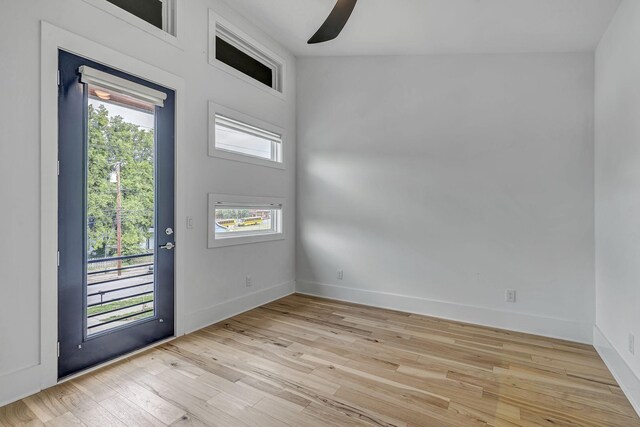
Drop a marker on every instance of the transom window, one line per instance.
(237, 53)
(159, 13)
(236, 58)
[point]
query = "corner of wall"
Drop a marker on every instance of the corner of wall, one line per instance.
(629, 383)
(235, 306)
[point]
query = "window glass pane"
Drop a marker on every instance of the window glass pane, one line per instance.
(234, 57)
(232, 221)
(243, 139)
(120, 210)
(149, 10)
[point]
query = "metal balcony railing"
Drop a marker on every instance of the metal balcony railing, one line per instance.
(113, 284)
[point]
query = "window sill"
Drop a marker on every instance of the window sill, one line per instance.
(226, 155)
(237, 240)
(240, 75)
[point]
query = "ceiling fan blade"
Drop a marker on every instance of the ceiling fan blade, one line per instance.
(335, 22)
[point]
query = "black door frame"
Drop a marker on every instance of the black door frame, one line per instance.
(76, 351)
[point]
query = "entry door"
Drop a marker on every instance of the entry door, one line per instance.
(115, 213)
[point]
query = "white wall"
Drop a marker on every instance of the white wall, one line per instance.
(618, 196)
(214, 280)
(437, 182)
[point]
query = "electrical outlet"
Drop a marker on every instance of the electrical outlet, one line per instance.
(632, 343)
(340, 274)
(510, 295)
(249, 282)
(189, 223)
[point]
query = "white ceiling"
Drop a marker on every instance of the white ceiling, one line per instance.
(396, 27)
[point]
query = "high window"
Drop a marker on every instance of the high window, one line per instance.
(238, 54)
(242, 61)
(151, 11)
(160, 14)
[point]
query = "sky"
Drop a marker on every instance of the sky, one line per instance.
(141, 118)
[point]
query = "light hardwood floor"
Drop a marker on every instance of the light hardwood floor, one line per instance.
(304, 361)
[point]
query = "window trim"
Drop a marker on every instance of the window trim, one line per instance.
(216, 199)
(217, 109)
(170, 10)
(218, 26)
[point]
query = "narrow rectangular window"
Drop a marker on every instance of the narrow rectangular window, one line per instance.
(152, 11)
(238, 219)
(234, 221)
(246, 64)
(238, 54)
(241, 138)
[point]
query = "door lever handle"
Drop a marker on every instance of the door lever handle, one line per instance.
(168, 246)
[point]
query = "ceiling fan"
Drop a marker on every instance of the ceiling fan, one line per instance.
(335, 22)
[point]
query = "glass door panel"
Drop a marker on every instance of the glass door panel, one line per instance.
(120, 210)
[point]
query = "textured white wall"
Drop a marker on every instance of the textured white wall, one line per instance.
(437, 182)
(618, 186)
(213, 277)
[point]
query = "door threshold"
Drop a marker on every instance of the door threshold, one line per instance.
(113, 361)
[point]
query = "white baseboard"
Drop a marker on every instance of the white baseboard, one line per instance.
(628, 381)
(230, 308)
(510, 320)
(19, 384)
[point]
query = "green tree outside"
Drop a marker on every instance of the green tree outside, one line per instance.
(113, 140)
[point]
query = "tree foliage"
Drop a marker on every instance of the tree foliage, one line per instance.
(111, 141)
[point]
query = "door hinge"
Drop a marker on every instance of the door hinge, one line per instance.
(58, 167)
(59, 78)
(58, 348)
(58, 258)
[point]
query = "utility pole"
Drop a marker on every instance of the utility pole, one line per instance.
(118, 218)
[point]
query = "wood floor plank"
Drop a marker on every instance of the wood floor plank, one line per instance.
(288, 415)
(45, 405)
(200, 409)
(95, 389)
(129, 413)
(189, 420)
(65, 420)
(150, 402)
(98, 416)
(305, 361)
(244, 412)
(19, 413)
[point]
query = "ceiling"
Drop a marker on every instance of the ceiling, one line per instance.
(397, 27)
